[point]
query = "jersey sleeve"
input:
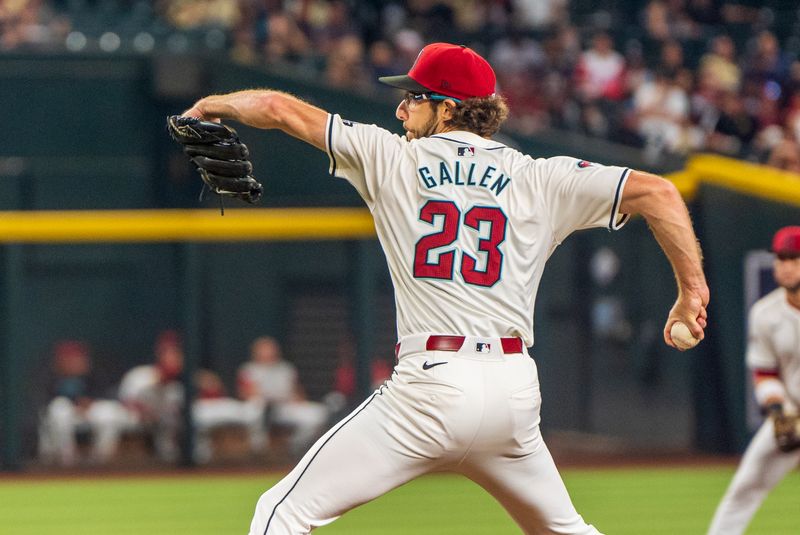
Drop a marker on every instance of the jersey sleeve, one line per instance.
(580, 194)
(361, 154)
(760, 354)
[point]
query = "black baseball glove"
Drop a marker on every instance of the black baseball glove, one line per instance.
(220, 157)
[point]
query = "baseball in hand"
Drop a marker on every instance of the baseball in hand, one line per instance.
(682, 336)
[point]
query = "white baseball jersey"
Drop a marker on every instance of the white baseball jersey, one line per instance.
(141, 386)
(467, 225)
(443, 207)
(774, 340)
(138, 385)
(276, 382)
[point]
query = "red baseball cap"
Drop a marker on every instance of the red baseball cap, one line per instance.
(787, 241)
(168, 339)
(68, 349)
(450, 70)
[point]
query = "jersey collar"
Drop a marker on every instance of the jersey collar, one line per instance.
(468, 138)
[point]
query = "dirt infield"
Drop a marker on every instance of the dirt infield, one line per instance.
(564, 460)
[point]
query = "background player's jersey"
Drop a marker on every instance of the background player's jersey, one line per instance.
(444, 209)
(774, 340)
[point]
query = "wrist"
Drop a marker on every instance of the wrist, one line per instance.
(693, 286)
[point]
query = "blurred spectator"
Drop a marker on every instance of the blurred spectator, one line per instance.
(668, 19)
(600, 71)
(272, 384)
(661, 109)
(187, 14)
(77, 410)
(766, 62)
(30, 24)
(518, 62)
(433, 19)
(408, 43)
(286, 43)
(705, 99)
(345, 68)
(765, 106)
(636, 71)
(793, 111)
(153, 395)
(786, 153)
(705, 12)
(382, 61)
(794, 73)
(599, 78)
(735, 127)
(561, 52)
(539, 14)
(243, 47)
(327, 24)
(516, 54)
(474, 16)
(718, 68)
(656, 20)
(671, 58)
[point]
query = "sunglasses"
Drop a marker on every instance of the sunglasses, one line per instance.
(787, 256)
(412, 99)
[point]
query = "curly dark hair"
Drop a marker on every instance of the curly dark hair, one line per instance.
(482, 116)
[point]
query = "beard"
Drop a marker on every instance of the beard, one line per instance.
(426, 130)
(790, 284)
(792, 288)
(787, 275)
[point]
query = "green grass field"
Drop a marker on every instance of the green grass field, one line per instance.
(632, 501)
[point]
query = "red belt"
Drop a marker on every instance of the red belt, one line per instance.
(454, 343)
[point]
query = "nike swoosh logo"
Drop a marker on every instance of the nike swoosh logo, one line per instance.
(427, 366)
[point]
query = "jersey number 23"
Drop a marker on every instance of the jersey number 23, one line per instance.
(442, 268)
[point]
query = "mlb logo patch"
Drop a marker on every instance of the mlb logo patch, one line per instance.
(467, 152)
(347, 122)
(583, 164)
(482, 347)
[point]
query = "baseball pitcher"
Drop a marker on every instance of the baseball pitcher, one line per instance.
(467, 225)
(773, 356)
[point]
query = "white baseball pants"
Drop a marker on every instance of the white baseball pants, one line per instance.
(474, 412)
(106, 420)
(763, 466)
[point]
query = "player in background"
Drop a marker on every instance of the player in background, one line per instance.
(77, 404)
(466, 224)
(272, 384)
(773, 356)
(153, 395)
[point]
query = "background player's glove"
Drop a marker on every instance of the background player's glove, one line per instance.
(787, 429)
(220, 157)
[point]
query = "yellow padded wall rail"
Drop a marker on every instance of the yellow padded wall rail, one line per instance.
(186, 225)
(748, 178)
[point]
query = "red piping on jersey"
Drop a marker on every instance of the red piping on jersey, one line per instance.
(766, 374)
